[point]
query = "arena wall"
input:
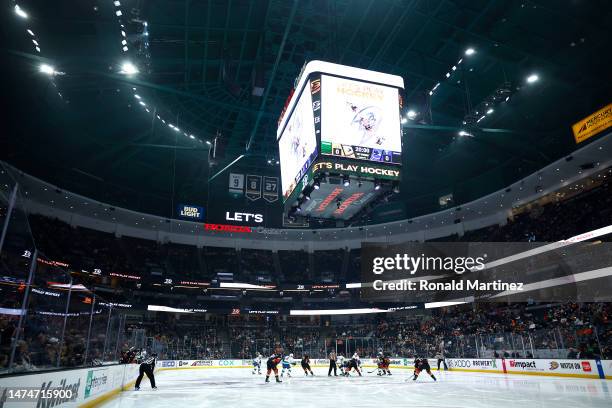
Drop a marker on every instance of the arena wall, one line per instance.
(86, 387)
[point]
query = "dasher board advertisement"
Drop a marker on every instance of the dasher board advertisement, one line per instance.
(360, 120)
(297, 145)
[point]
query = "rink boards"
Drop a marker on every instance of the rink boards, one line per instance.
(541, 367)
(92, 386)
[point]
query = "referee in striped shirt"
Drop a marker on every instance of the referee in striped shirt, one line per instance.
(332, 363)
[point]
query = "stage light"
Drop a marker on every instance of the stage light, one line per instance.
(412, 114)
(118, 13)
(470, 51)
(490, 111)
(47, 69)
(532, 78)
(30, 32)
(117, 3)
(128, 68)
(464, 133)
(142, 103)
(20, 12)
(208, 142)
(136, 96)
(346, 181)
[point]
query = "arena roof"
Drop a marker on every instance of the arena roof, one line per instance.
(217, 68)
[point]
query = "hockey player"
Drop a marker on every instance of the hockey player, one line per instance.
(271, 364)
(383, 364)
(147, 366)
(421, 364)
(287, 362)
(353, 363)
(341, 361)
(257, 364)
(306, 365)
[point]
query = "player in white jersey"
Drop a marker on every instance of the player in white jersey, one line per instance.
(341, 361)
(287, 362)
(257, 364)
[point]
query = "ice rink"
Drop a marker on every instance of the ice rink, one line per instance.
(237, 387)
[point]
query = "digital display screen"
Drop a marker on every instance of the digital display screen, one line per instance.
(297, 144)
(360, 120)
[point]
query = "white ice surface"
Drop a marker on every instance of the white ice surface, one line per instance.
(237, 387)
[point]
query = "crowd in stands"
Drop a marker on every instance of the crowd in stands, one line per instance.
(567, 330)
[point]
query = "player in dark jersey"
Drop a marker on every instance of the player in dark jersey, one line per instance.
(421, 364)
(147, 366)
(306, 365)
(383, 364)
(271, 364)
(353, 363)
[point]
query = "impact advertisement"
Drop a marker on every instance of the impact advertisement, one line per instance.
(297, 145)
(360, 120)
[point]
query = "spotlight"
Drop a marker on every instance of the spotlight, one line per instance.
(47, 69)
(128, 68)
(317, 184)
(490, 111)
(20, 12)
(470, 51)
(464, 133)
(346, 181)
(411, 114)
(532, 78)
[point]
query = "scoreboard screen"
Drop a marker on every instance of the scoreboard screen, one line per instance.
(360, 120)
(297, 145)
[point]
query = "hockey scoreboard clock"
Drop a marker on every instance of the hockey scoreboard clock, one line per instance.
(340, 140)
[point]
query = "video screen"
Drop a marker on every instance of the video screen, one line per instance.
(360, 120)
(297, 145)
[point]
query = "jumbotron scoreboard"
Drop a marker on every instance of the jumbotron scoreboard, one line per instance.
(340, 140)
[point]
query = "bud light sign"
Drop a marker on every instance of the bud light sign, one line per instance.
(190, 212)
